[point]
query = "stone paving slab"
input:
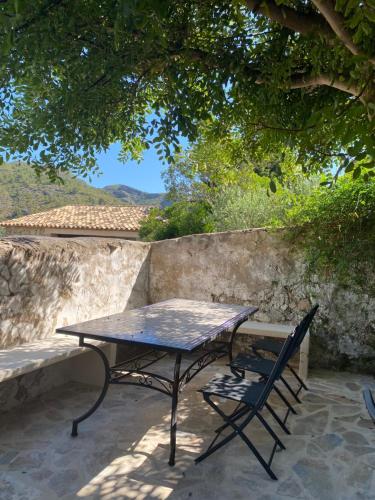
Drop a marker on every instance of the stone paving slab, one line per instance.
(122, 450)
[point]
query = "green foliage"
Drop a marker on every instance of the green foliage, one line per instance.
(211, 165)
(336, 226)
(215, 185)
(77, 76)
(179, 219)
(259, 202)
(236, 208)
(22, 192)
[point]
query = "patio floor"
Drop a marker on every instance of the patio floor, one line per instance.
(122, 450)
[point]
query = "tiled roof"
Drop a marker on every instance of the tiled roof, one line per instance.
(122, 218)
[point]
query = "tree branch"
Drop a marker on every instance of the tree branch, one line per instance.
(306, 24)
(299, 82)
(337, 23)
(304, 81)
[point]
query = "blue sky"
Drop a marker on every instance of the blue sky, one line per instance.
(145, 175)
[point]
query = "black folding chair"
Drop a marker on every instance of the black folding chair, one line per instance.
(252, 396)
(256, 363)
(370, 404)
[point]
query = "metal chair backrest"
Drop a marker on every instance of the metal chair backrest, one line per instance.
(277, 369)
(289, 348)
(297, 337)
(302, 328)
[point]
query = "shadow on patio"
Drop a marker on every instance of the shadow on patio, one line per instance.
(122, 450)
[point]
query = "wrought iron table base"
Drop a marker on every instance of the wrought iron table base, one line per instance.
(132, 372)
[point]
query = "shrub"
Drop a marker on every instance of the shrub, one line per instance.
(179, 219)
(336, 226)
(236, 208)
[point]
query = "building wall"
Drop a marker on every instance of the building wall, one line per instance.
(41, 231)
(50, 282)
(260, 268)
(20, 231)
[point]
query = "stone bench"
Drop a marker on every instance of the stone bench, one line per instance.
(258, 329)
(70, 363)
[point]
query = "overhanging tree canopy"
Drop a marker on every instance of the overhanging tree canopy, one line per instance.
(78, 75)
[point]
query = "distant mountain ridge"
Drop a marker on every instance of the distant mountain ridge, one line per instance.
(129, 195)
(23, 193)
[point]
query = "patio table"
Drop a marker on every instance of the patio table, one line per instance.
(177, 327)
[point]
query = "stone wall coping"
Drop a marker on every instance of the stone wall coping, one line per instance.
(271, 329)
(28, 357)
(258, 230)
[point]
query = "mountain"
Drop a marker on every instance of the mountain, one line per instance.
(22, 192)
(132, 196)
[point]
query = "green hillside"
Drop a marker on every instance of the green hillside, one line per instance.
(130, 195)
(22, 192)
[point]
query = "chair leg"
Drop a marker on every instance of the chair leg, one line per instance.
(302, 383)
(270, 430)
(237, 430)
(277, 418)
(290, 389)
(234, 416)
(261, 460)
(242, 412)
(212, 448)
(240, 432)
(283, 398)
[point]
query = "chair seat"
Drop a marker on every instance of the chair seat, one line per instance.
(252, 363)
(235, 388)
(268, 345)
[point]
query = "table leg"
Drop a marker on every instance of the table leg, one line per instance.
(232, 337)
(175, 390)
(107, 378)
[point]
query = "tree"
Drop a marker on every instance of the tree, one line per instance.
(211, 165)
(215, 186)
(79, 75)
(179, 219)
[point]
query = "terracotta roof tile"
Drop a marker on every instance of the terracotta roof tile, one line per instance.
(122, 218)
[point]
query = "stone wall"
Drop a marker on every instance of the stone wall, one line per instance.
(261, 268)
(50, 282)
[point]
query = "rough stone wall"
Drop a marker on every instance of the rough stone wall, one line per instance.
(260, 268)
(49, 282)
